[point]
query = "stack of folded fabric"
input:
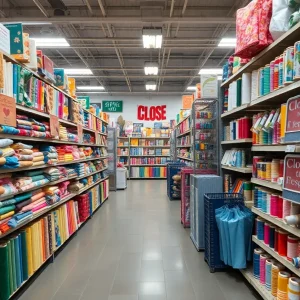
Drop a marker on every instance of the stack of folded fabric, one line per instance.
(38, 158)
(53, 194)
(36, 198)
(19, 218)
(88, 151)
(24, 154)
(81, 153)
(8, 160)
(68, 153)
(50, 154)
(76, 153)
(72, 135)
(23, 126)
(6, 186)
(52, 174)
(63, 133)
(39, 130)
(61, 153)
(63, 187)
(74, 187)
(96, 152)
(8, 130)
(71, 172)
(88, 138)
(80, 169)
(63, 172)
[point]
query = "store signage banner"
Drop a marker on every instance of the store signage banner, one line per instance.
(209, 86)
(151, 113)
(8, 111)
(291, 183)
(4, 39)
(112, 106)
(187, 101)
(292, 125)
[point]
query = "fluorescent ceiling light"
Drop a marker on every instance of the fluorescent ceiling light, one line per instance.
(150, 86)
(152, 38)
(90, 88)
(151, 68)
(51, 42)
(78, 72)
(27, 23)
(191, 88)
(227, 42)
(211, 71)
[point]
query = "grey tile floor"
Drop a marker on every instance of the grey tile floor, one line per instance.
(134, 248)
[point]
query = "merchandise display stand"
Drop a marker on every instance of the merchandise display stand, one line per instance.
(53, 183)
(266, 152)
(148, 157)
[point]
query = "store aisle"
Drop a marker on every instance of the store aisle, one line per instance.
(135, 248)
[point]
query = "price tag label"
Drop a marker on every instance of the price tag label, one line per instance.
(290, 148)
(80, 133)
(8, 111)
(54, 126)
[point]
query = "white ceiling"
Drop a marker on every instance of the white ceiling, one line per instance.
(106, 36)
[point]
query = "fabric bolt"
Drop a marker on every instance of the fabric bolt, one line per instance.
(4, 220)
(7, 151)
(38, 158)
(6, 209)
(38, 163)
(25, 163)
(38, 134)
(8, 202)
(24, 157)
(38, 128)
(19, 218)
(5, 143)
(20, 205)
(39, 207)
(22, 117)
(23, 122)
(37, 177)
(37, 154)
(37, 196)
(35, 184)
(24, 151)
(26, 127)
(2, 161)
(24, 132)
(11, 163)
(9, 214)
(22, 181)
(8, 130)
(23, 196)
(34, 173)
(32, 205)
(22, 146)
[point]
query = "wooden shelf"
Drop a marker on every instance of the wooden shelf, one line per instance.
(291, 229)
(91, 174)
(267, 184)
(275, 148)
(241, 170)
(280, 258)
(52, 165)
(40, 140)
(268, 54)
(237, 141)
(184, 133)
(235, 112)
(261, 289)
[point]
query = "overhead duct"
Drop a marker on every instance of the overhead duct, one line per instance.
(58, 6)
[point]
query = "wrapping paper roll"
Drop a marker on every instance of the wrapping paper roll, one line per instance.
(246, 88)
(276, 268)
(282, 288)
(292, 247)
(294, 288)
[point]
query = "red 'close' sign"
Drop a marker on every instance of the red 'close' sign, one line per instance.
(151, 113)
(293, 115)
(292, 173)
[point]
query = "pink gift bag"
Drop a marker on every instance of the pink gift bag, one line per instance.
(252, 28)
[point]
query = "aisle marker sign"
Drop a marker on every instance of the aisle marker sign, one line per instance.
(291, 183)
(54, 126)
(292, 125)
(8, 113)
(112, 106)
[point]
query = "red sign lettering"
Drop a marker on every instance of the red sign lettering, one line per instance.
(292, 173)
(152, 113)
(293, 115)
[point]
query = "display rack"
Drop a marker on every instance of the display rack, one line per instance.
(261, 103)
(148, 157)
(70, 209)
